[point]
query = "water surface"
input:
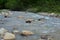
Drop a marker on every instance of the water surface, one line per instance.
(50, 25)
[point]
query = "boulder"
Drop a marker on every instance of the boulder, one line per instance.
(2, 31)
(52, 15)
(9, 36)
(6, 14)
(26, 33)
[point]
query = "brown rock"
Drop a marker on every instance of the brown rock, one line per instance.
(9, 36)
(26, 33)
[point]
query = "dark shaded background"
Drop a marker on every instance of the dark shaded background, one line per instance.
(31, 5)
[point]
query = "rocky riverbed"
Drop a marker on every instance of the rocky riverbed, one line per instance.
(39, 25)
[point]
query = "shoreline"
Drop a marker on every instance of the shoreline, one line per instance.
(49, 14)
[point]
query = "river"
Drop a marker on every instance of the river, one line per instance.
(51, 25)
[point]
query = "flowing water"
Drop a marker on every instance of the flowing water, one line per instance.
(50, 25)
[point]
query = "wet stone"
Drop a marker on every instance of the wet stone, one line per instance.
(41, 19)
(26, 33)
(44, 37)
(9, 36)
(5, 16)
(28, 21)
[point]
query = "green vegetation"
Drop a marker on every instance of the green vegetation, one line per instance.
(31, 5)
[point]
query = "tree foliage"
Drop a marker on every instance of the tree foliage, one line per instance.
(37, 5)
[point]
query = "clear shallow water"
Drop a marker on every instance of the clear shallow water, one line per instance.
(50, 26)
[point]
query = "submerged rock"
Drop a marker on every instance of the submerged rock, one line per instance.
(9, 36)
(20, 16)
(15, 31)
(41, 19)
(44, 37)
(26, 33)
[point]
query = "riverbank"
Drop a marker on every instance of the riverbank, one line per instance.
(49, 14)
(39, 13)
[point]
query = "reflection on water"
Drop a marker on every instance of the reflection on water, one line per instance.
(50, 26)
